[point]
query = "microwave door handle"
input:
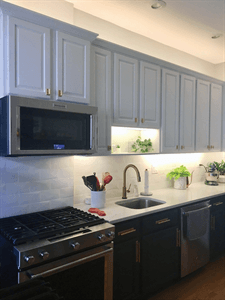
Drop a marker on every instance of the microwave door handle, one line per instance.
(69, 265)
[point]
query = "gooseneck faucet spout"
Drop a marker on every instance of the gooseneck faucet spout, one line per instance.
(124, 194)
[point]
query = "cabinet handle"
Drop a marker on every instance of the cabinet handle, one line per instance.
(211, 147)
(109, 148)
(18, 132)
(136, 120)
(208, 147)
(142, 120)
(218, 203)
(48, 92)
(60, 93)
(138, 257)
(127, 231)
(162, 221)
(213, 222)
(182, 147)
(178, 238)
(177, 147)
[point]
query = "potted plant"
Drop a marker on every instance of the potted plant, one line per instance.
(118, 149)
(144, 146)
(179, 175)
(220, 167)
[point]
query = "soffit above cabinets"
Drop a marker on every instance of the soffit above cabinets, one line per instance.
(186, 25)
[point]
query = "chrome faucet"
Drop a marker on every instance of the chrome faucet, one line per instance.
(124, 194)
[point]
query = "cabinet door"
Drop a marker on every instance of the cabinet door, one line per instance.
(215, 118)
(29, 59)
(126, 270)
(202, 116)
(149, 95)
(217, 234)
(187, 114)
(101, 93)
(72, 68)
(170, 110)
(125, 91)
(159, 259)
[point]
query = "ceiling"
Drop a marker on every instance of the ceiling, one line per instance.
(187, 25)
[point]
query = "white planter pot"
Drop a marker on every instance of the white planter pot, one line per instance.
(180, 183)
(221, 178)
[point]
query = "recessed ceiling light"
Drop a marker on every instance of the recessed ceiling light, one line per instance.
(158, 4)
(216, 36)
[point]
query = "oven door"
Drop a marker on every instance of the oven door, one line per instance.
(87, 275)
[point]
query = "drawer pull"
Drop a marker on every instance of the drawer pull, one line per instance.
(127, 231)
(178, 238)
(218, 203)
(162, 221)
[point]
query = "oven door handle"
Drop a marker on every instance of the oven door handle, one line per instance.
(70, 265)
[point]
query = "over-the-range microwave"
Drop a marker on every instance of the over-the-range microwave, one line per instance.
(44, 127)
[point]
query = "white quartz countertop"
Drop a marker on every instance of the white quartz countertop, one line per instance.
(173, 198)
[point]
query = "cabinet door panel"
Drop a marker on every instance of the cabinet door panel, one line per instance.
(217, 234)
(126, 270)
(29, 59)
(125, 90)
(160, 259)
(202, 115)
(149, 95)
(101, 92)
(215, 117)
(73, 68)
(170, 110)
(187, 113)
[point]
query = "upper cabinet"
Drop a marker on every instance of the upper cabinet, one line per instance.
(28, 62)
(72, 68)
(178, 112)
(101, 96)
(208, 117)
(125, 91)
(136, 97)
(43, 57)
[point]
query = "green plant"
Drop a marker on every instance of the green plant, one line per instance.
(145, 146)
(181, 171)
(220, 167)
(118, 146)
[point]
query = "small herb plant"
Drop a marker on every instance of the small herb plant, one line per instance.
(181, 171)
(220, 167)
(118, 146)
(145, 146)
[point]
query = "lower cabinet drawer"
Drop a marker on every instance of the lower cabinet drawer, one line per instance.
(159, 221)
(127, 230)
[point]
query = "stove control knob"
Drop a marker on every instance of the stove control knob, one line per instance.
(110, 234)
(101, 237)
(29, 259)
(75, 246)
(44, 255)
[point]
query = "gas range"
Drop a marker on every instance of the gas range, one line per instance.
(43, 236)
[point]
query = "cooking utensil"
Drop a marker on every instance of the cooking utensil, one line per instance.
(92, 179)
(87, 183)
(107, 180)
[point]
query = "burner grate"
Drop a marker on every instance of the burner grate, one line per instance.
(45, 224)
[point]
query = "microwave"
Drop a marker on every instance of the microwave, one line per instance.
(45, 127)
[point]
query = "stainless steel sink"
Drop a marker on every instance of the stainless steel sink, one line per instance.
(140, 203)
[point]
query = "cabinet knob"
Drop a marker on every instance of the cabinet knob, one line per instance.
(30, 259)
(136, 120)
(182, 147)
(208, 147)
(44, 255)
(60, 93)
(48, 92)
(177, 147)
(109, 148)
(142, 120)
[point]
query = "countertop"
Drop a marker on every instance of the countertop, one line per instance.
(173, 197)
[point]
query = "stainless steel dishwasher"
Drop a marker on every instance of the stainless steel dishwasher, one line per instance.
(195, 221)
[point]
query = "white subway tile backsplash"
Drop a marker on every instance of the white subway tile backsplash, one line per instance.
(49, 195)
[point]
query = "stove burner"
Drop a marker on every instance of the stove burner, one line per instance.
(45, 224)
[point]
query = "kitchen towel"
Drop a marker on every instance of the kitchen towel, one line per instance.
(197, 223)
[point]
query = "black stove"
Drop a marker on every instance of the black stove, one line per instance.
(51, 223)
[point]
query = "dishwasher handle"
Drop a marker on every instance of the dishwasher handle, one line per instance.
(202, 208)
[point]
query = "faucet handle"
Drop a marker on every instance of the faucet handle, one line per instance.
(128, 191)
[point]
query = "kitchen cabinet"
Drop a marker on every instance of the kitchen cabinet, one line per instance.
(217, 224)
(178, 112)
(125, 107)
(146, 254)
(101, 95)
(28, 64)
(130, 107)
(72, 68)
(208, 116)
(44, 62)
(126, 260)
